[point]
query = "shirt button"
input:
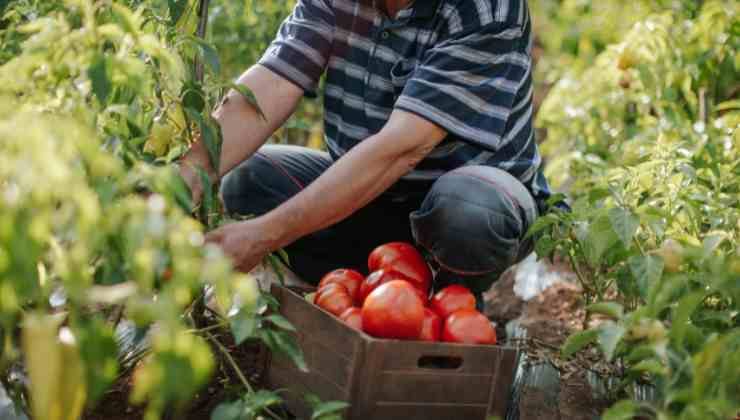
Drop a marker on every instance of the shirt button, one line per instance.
(384, 34)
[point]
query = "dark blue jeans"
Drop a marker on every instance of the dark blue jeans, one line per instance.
(471, 221)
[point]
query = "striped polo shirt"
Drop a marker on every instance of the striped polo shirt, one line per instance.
(464, 65)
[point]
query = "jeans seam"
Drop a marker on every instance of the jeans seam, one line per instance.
(280, 169)
(498, 186)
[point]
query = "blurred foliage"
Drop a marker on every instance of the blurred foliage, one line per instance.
(642, 133)
(96, 98)
(242, 30)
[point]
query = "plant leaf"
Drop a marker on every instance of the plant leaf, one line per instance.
(577, 341)
(209, 54)
(610, 309)
(329, 408)
(624, 223)
(177, 8)
(284, 342)
(243, 326)
(610, 334)
(228, 411)
(647, 269)
(248, 96)
(100, 78)
(281, 322)
(599, 238)
(623, 410)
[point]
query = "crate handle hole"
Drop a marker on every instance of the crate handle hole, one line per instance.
(440, 362)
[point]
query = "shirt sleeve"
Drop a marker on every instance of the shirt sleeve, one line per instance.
(468, 82)
(301, 49)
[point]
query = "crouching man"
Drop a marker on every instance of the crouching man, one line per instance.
(429, 137)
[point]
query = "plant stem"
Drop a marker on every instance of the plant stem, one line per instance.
(201, 33)
(237, 370)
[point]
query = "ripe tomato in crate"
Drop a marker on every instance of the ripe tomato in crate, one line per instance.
(388, 379)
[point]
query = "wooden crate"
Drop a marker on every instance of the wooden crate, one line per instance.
(388, 379)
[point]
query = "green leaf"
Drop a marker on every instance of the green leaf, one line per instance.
(208, 136)
(207, 202)
(280, 322)
(100, 78)
(577, 341)
(248, 96)
(285, 343)
(243, 326)
(98, 349)
(647, 269)
(652, 366)
(177, 8)
(261, 399)
(611, 309)
(623, 410)
(209, 54)
(274, 262)
(193, 97)
(610, 334)
(541, 224)
(624, 223)
(326, 409)
(682, 314)
(228, 411)
(600, 237)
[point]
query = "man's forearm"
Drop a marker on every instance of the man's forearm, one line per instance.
(355, 179)
(244, 129)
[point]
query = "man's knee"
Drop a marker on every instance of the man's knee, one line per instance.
(474, 220)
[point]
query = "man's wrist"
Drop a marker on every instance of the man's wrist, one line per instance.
(277, 232)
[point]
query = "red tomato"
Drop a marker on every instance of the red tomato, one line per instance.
(375, 279)
(468, 326)
(353, 318)
(451, 299)
(431, 329)
(350, 279)
(333, 298)
(403, 258)
(393, 310)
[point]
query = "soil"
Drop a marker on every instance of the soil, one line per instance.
(250, 357)
(555, 389)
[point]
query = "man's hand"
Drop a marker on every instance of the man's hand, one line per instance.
(246, 243)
